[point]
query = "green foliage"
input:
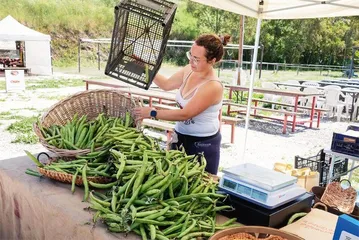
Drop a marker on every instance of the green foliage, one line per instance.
(23, 130)
(311, 41)
(2, 85)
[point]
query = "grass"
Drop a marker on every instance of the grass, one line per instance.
(52, 97)
(280, 76)
(37, 84)
(2, 85)
(23, 130)
(9, 116)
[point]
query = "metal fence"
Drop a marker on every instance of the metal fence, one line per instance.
(94, 52)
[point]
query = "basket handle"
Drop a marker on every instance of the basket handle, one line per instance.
(345, 180)
(321, 204)
(43, 153)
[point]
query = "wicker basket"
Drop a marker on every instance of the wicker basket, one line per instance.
(113, 103)
(254, 233)
(318, 193)
(337, 197)
(66, 177)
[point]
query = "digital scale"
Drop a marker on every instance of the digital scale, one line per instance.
(259, 185)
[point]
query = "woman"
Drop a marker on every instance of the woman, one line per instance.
(199, 98)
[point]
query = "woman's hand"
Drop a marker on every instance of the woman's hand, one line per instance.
(142, 112)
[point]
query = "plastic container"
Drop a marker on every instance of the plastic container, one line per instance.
(321, 164)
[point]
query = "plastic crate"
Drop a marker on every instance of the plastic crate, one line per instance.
(321, 163)
(139, 39)
(342, 143)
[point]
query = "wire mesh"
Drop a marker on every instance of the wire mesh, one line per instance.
(139, 39)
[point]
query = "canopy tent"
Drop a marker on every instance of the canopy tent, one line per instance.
(37, 45)
(281, 9)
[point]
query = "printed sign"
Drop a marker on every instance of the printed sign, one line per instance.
(347, 236)
(15, 80)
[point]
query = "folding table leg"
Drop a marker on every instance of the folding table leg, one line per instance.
(285, 123)
(312, 112)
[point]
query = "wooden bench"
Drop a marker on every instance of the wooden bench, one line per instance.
(233, 121)
(318, 111)
(242, 109)
(168, 127)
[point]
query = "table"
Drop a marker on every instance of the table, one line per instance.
(280, 92)
(131, 90)
(353, 93)
(340, 84)
(33, 208)
(151, 94)
(336, 156)
(295, 85)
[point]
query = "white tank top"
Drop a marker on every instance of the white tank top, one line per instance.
(204, 124)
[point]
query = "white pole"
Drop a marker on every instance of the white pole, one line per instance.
(253, 71)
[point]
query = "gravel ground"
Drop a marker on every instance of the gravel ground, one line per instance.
(265, 142)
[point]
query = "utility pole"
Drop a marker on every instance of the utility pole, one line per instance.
(240, 48)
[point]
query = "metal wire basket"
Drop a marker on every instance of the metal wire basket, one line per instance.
(139, 39)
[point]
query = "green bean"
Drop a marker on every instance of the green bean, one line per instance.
(102, 202)
(96, 216)
(185, 223)
(172, 228)
(229, 222)
(151, 182)
(74, 177)
(33, 173)
(188, 229)
(141, 173)
(146, 213)
(133, 212)
(152, 231)
(113, 201)
(143, 233)
(148, 221)
(85, 183)
(130, 184)
(197, 234)
(34, 159)
(103, 186)
(133, 197)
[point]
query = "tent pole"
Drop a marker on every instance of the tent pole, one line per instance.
(251, 82)
(240, 48)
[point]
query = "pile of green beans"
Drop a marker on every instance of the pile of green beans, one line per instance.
(101, 163)
(155, 193)
(160, 195)
(82, 134)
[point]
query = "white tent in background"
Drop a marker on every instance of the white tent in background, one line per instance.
(281, 9)
(37, 45)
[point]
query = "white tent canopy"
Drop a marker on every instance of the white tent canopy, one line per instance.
(37, 45)
(281, 9)
(287, 9)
